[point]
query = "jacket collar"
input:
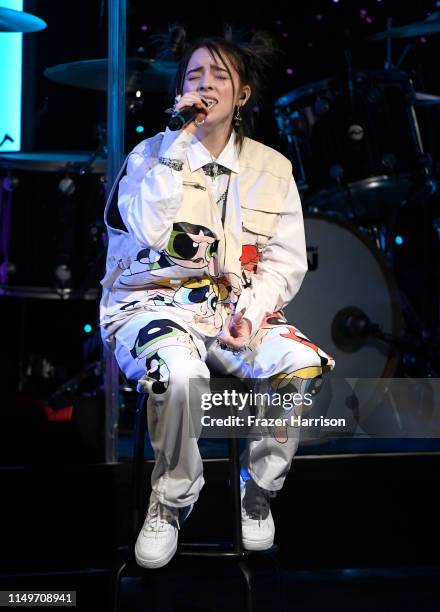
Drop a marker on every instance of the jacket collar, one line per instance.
(199, 156)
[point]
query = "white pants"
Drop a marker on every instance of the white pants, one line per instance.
(165, 355)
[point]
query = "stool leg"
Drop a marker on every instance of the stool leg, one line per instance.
(138, 489)
(247, 574)
(117, 587)
(279, 581)
(234, 479)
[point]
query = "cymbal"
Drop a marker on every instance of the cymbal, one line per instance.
(145, 74)
(17, 21)
(53, 161)
(424, 99)
(431, 25)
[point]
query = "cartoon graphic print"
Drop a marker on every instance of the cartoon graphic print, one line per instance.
(191, 248)
(158, 369)
(300, 381)
(202, 296)
(274, 323)
(149, 344)
(250, 256)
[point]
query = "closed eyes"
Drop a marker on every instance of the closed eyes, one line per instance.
(218, 76)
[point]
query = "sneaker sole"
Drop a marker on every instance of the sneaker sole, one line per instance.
(155, 563)
(260, 545)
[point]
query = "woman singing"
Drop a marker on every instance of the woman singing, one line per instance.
(206, 247)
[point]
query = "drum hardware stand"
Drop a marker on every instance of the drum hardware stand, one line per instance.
(101, 150)
(62, 394)
(381, 234)
(7, 186)
(424, 349)
(349, 65)
(426, 191)
(388, 65)
(423, 199)
(408, 48)
(286, 127)
(337, 173)
(352, 122)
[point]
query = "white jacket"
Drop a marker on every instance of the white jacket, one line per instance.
(169, 249)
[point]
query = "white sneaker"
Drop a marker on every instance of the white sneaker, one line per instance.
(258, 527)
(157, 541)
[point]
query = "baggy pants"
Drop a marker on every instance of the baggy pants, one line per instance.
(166, 355)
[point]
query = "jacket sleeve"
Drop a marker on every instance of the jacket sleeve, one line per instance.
(149, 195)
(282, 267)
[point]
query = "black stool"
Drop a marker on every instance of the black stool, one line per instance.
(233, 549)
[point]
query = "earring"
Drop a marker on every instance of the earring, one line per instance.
(237, 118)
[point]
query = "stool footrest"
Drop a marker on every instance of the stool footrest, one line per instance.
(210, 549)
(218, 549)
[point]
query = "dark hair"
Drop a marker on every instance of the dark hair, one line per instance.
(250, 55)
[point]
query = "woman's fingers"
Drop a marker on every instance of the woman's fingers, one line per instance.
(238, 328)
(192, 99)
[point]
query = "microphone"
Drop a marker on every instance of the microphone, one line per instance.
(180, 118)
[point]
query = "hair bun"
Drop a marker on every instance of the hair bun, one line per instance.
(177, 40)
(170, 45)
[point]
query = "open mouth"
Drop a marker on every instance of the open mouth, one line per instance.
(210, 102)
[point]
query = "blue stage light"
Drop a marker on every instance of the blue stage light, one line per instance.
(140, 129)
(398, 240)
(244, 475)
(87, 328)
(10, 83)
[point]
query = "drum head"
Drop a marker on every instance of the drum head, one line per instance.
(369, 201)
(347, 281)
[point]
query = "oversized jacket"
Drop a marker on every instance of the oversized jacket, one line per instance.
(171, 250)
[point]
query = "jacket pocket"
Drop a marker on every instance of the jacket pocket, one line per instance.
(260, 215)
(257, 226)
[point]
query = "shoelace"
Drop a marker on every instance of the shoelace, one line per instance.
(256, 501)
(159, 517)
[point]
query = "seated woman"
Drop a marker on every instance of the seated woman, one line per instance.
(206, 247)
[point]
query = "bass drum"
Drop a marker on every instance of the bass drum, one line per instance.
(348, 300)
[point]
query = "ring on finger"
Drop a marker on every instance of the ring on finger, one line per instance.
(199, 123)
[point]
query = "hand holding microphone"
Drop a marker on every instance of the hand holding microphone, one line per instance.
(190, 106)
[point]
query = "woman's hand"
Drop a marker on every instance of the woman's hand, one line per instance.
(192, 98)
(236, 330)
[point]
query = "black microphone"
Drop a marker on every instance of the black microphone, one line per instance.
(187, 113)
(179, 119)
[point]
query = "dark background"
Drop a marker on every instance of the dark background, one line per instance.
(48, 344)
(65, 512)
(313, 36)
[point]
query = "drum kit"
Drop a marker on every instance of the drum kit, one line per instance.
(360, 165)
(64, 189)
(358, 159)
